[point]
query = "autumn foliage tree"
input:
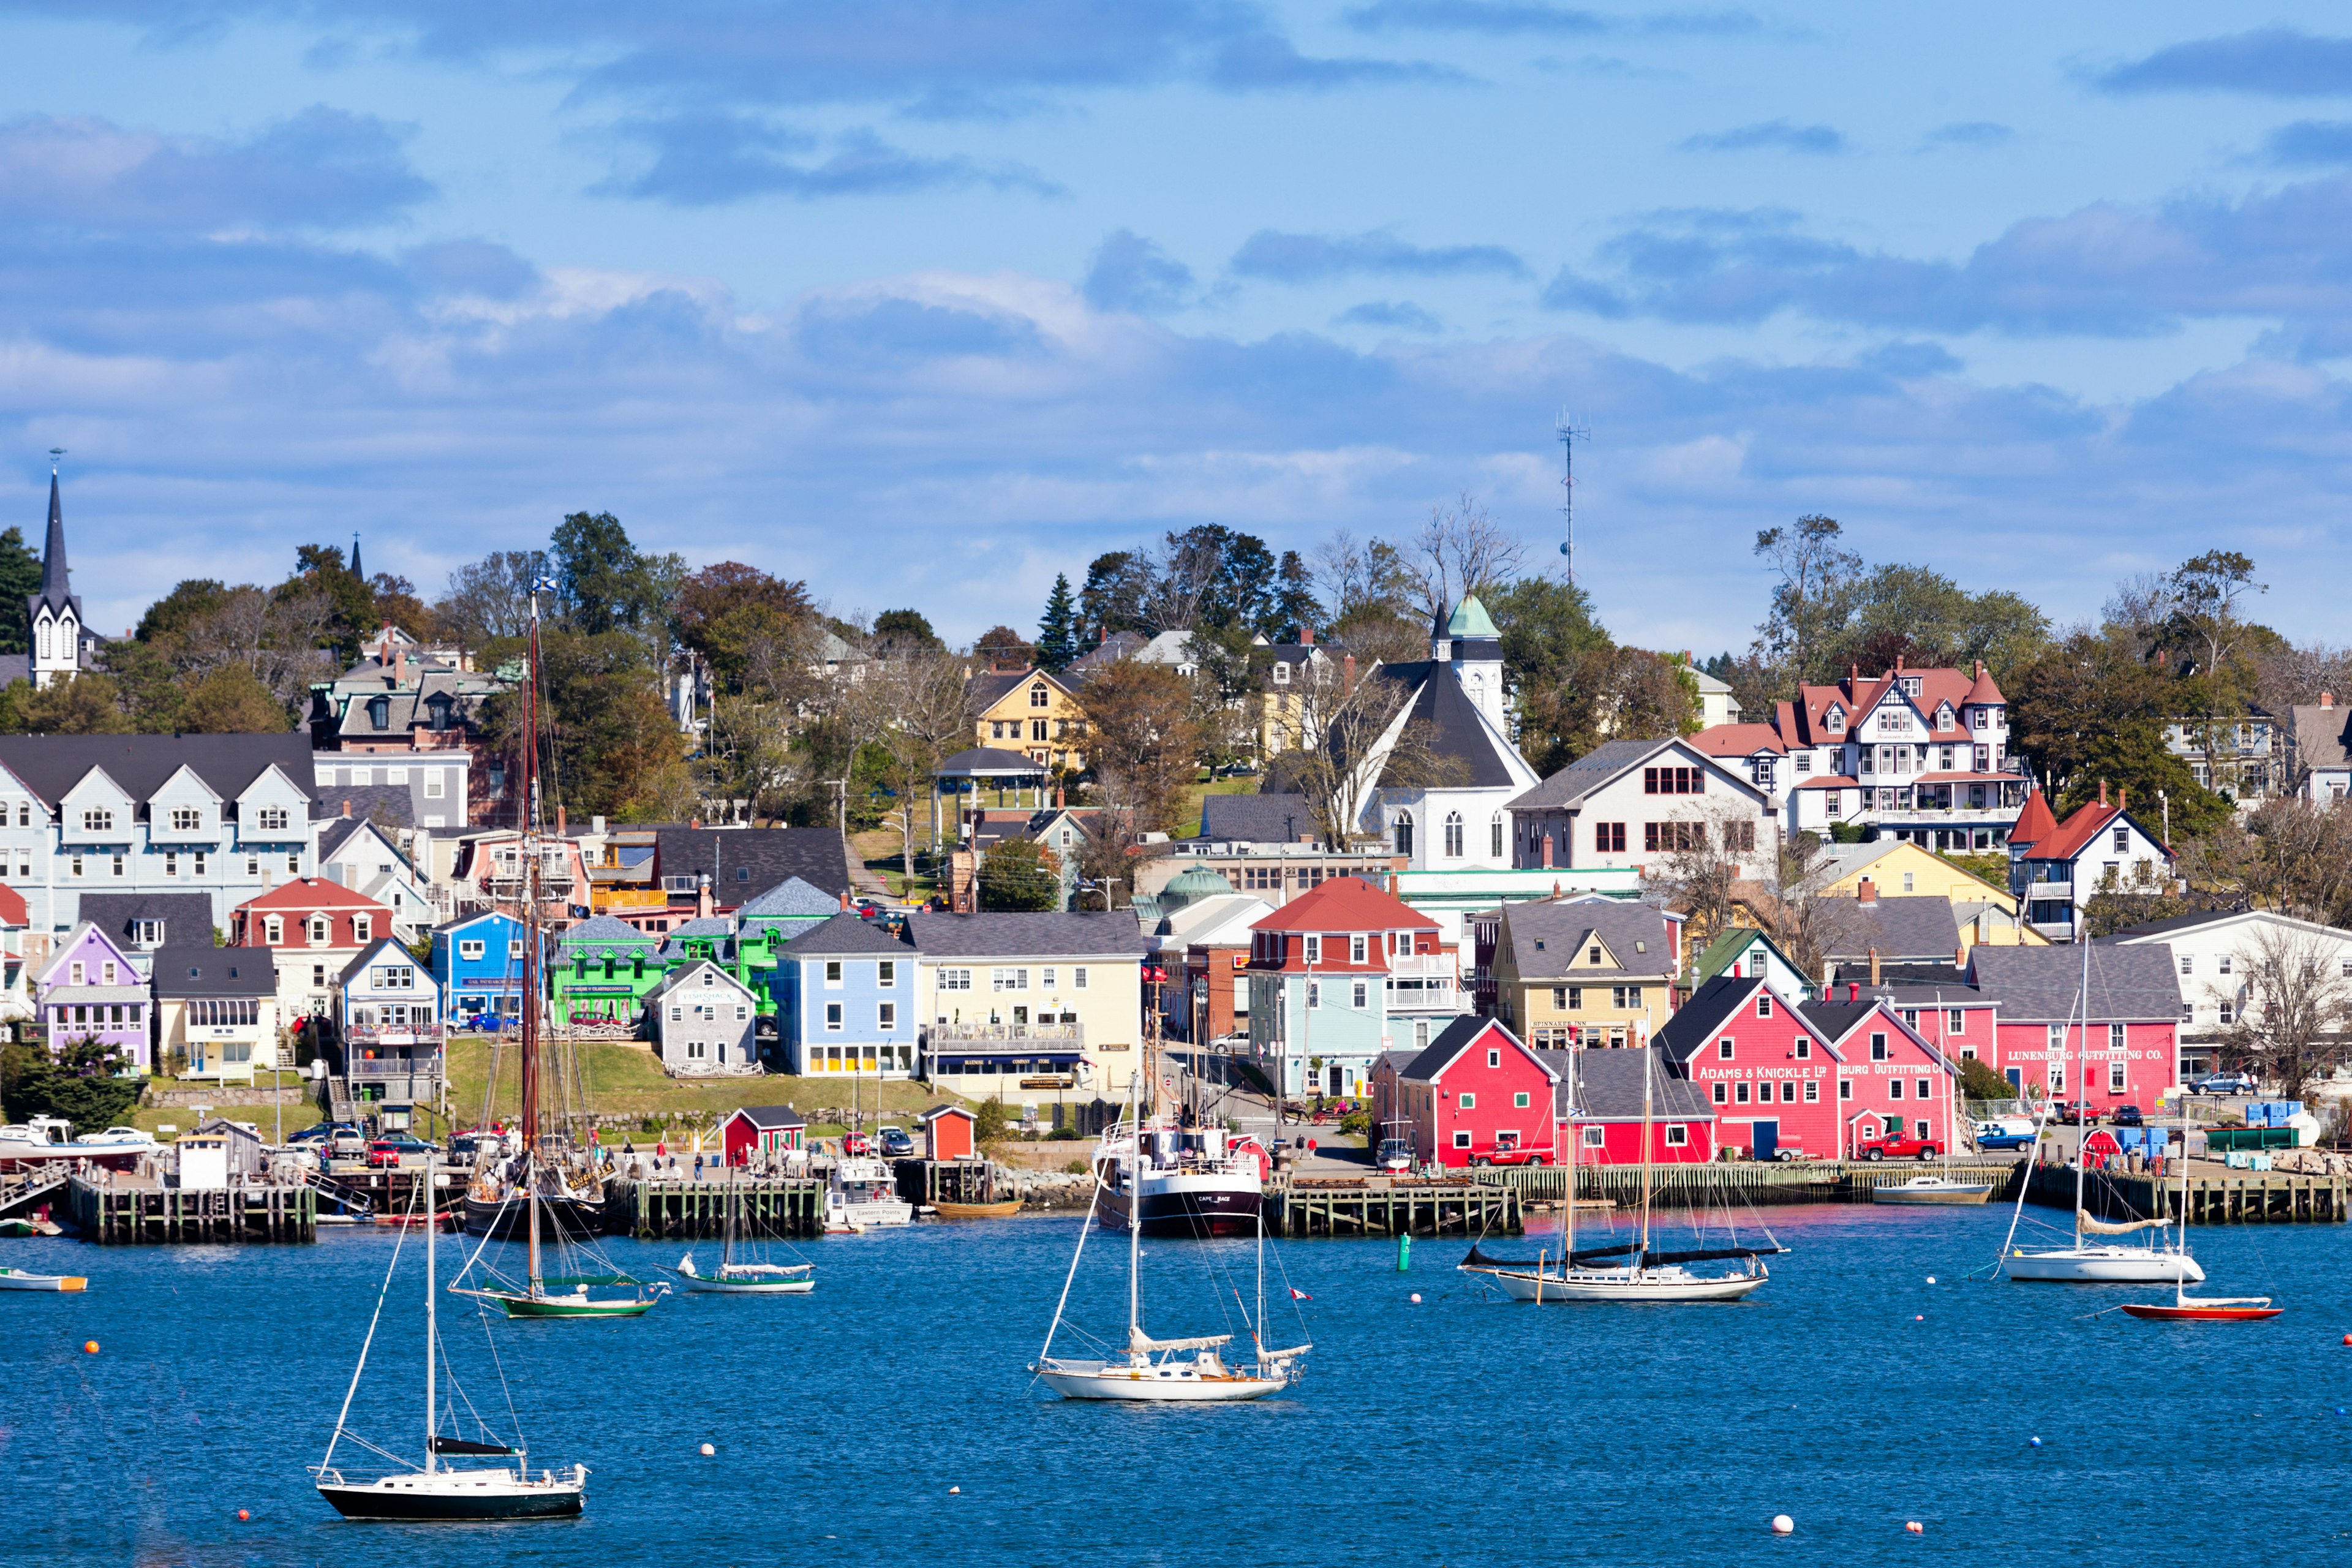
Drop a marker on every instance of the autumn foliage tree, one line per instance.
(1142, 742)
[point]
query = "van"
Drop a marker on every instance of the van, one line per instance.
(2004, 1133)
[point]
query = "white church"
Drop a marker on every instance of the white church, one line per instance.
(60, 642)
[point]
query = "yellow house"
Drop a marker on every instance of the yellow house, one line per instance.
(1024, 1006)
(1031, 713)
(1895, 868)
(1602, 967)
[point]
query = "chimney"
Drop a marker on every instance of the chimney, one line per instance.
(1866, 890)
(1348, 675)
(1960, 956)
(400, 668)
(1898, 661)
(1979, 669)
(2123, 797)
(1854, 990)
(1057, 794)
(1874, 980)
(346, 807)
(596, 825)
(559, 823)
(1307, 636)
(2327, 699)
(2103, 791)
(844, 898)
(1853, 676)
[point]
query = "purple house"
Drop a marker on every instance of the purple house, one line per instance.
(90, 989)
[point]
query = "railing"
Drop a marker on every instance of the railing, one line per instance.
(427, 1034)
(955, 1035)
(1438, 963)
(1943, 816)
(1429, 997)
(380, 1067)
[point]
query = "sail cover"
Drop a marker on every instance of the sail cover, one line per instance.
(460, 1445)
(1708, 1255)
(2116, 1227)
(1139, 1342)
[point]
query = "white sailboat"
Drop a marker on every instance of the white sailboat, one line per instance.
(1190, 1370)
(2095, 1262)
(1942, 1190)
(744, 1279)
(1645, 1275)
(436, 1491)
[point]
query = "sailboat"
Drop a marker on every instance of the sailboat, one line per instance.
(733, 1279)
(2188, 1308)
(1191, 1370)
(436, 1491)
(1591, 1274)
(1943, 1189)
(540, 1194)
(2096, 1262)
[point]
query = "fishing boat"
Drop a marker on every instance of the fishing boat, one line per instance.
(24, 1280)
(1188, 1369)
(861, 1194)
(438, 1492)
(1941, 1190)
(1622, 1271)
(2092, 1262)
(1185, 1181)
(2185, 1308)
(39, 1140)
(739, 1277)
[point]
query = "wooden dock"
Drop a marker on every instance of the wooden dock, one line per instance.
(770, 1205)
(1381, 1206)
(926, 1182)
(2223, 1197)
(128, 1210)
(1754, 1184)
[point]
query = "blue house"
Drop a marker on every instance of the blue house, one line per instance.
(478, 964)
(846, 1001)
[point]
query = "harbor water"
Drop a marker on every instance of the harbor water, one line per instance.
(1849, 1394)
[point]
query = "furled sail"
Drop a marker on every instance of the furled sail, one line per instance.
(1139, 1342)
(1708, 1255)
(460, 1445)
(2116, 1227)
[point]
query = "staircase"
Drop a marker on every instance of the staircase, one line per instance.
(21, 1196)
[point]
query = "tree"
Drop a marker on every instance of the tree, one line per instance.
(2089, 710)
(2205, 594)
(616, 749)
(902, 631)
(80, 1078)
(725, 610)
(1460, 552)
(603, 584)
(89, 704)
(1546, 623)
(1142, 740)
(1346, 756)
(1294, 605)
(1722, 846)
(1020, 875)
(1003, 647)
(230, 701)
(1813, 597)
(1057, 629)
(1611, 693)
(490, 598)
(1353, 577)
(1118, 585)
(920, 708)
(20, 578)
(396, 605)
(322, 575)
(2292, 1009)
(1106, 859)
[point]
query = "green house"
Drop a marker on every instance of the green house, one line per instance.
(764, 924)
(603, 968)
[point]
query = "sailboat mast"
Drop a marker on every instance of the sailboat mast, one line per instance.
(1647, 1108)
(530, 923)
(432, 1294)
(2081, 1127)
(1575, 1138)
(1134, 1211)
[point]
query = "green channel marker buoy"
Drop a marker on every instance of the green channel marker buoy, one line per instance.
(1404, 1253)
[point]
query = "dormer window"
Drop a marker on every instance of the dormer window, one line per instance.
(147, 933)
(438, 708)
(186, 819)
(270, 819)
(1910, 684)
(1281, 673)
(1944, 717)
(98, 819)
(380, 713)
(1836, 721)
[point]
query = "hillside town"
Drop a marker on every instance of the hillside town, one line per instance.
(1294, 819)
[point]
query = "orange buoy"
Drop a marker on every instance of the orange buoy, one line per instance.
(89, 1347)
(242, 1515)
(1916, 1528)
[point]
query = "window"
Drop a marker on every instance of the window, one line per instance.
(1673, 837)
(1519, 1101)
(1764, 1004)
(2189, 964)
(1804, 1051)
(253, 864)
(2115, 1036)
(98, 819)
(833, 972)
(148, 933)
(1674, 781)
(1467, 1101)
(1722, 1049)
(396, 978)
(832, 1016)
(885, 1015)
(1078, 978)
(1813, 1091)
(2223, 965)
(118, 863)
(1836, 721)
(1494, 837)
(1609, 837)
(1362, 997)
(1923, 1089)
(1037, 698)
(1559, 998)
(1907, 879)
(2057, 1041)
(76, 865)
(955, 979)
(1453, 835)
(200, 862)
(186, 819)
(1315, 993)
(76, 972)
(1720, 1091)
(2115, 1078)
(1461, 1140)
(1625, 998)
(1677, 1135)
(1576, 998)
(1356, 948)
(1956, 1021)
(1878, 1047)
(1739, 1094)
(886, 974)
(270, 819)
(1493, 1059)
(1893, 1088)
(514, 948)
(1281, 673)
(2123, 839)
(273, 930)
(1845, 1088)
(363, 928)
(472, 949)
(318, 930)
(435, 778)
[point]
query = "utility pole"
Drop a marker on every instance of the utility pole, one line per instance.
(1569, 433)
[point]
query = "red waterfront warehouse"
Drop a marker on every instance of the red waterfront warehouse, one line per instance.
(1475, 1096)
(2121, 1048)
(1608, 1100)
(1893, 1084)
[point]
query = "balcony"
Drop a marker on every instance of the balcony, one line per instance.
(1007, 1036)
(1440, 965)
(1944, 815)
(2049, 892)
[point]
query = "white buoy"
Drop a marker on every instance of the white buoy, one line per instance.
(1931, 1279)
(707, 1451)
(1416, 1297)
(1783, 1525)
(955, 1492)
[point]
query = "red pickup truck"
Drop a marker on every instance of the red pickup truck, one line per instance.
(1899, 1148)
(1511, 1157)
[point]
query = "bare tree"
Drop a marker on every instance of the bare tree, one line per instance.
(1713, 853)
(491, 597)
(1142, 740)
(2299, 674)
(1187, 569)
(1460, 552)
(1353, 747)
(917, 710)
(275, 638)
(2290, 1008)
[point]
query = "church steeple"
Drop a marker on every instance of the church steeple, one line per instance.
(56, 584)
(53, 617)
(357, 570)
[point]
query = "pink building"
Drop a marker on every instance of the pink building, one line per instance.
(1607, 1107)
(2126, 1054)
(1475, 1092)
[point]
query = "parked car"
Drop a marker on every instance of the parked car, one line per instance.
(320, 1132)
(2224, 1083)
(1511, 1157)
(2077, 1113)
(468, 1145)
(1900, 1147)
(1395, 1154)
(2126, 1116)
(2001, 1135)
(856, 1144)
(895, 1144)
(346, 1143)
(391, 1153)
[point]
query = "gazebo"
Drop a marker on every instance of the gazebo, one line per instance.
(1008, 769)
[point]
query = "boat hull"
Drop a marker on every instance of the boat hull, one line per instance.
(1005, 1210)
(1932, 1193)
(453, 1498)
(1082, 1380)
(570, 1307)
(560, 1218)
(2201, 1314)
(1194, 1206)
(2104, 1266)
(10, 1279)
(747, 1287)
(1659, 1284)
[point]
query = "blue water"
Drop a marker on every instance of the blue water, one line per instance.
(1849, 1394)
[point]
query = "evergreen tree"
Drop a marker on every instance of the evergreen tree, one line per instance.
(20, 579)
(1057, 629)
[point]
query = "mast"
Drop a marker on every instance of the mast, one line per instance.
(1575, 1138)
(432, 1291)
(2082, 1128)
(530, 918)
(1134, 1213)
(1646, 1109)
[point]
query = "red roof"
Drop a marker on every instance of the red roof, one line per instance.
(1828, 781)
(2076, 831)
(13, 911)
(1346, 903)
(312, 893)
(2034, 823)
(1737, 740)
(1984, 690)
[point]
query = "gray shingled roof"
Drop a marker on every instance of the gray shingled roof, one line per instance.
(1256, 818)
(602, 936)
(1457, 731)
(1561, 930)
(209, 970)
(1113, 934)
(2040, 984)
(388, 804)
(51, 765)
(1610, 1084)
(847, 933)
(1920, 929)
(1587, 774)
(739, 859)
(2322, 736)
(185, 916)
(789, 899)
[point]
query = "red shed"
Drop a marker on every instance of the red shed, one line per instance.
(947, 1133)
(774, 1130)
(1477, 1091)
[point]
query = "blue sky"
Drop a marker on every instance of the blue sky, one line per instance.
(925, 300)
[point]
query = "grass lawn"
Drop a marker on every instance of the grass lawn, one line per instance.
(626, 1080)
(298, 1113)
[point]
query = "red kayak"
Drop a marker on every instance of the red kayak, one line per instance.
(2189, 1310)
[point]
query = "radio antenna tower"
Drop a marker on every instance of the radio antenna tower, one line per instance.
(1569, 434)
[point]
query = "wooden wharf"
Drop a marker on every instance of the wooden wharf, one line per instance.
(1756, 1183)
(768, 1205)
(1382, 1205)
(2268, 1197)
(926, 1182)
(129, 1210)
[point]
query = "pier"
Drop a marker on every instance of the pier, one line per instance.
(1755, 1183)
(770, 1205)
(925, 1182)
(2222, 1197)
(131, 1210)
(1382, 1205)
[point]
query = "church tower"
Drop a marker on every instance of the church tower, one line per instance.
(55, 637)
